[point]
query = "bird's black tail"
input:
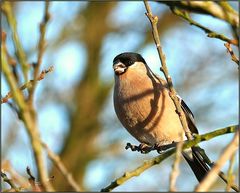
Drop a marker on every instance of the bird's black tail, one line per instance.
(196, 157)
(196, 162)
(201, 164)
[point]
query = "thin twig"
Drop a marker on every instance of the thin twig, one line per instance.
(11, 61)
(207, 7)
(57, 161)
(7, 10)
(30, 174)
(226, 7)
(31, 179)
(27, 85)
(30, 123)
(41, 48)
(161, 149)
(154, 20)
(230, 176)
(157, 160)
(210, 33)
(9, 181)
(15, 176)
(18, 96)
(175, 168)
(207, 136)
(36, 187)
(232, 147)
(229, 49)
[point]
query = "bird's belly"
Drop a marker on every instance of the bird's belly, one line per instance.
(145, 117)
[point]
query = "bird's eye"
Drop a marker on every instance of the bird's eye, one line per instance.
(130, 62)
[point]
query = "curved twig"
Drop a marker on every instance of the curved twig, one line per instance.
(157, 160)
(173, 94)
(213, 174)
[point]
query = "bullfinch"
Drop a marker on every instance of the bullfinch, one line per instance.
(144, 107)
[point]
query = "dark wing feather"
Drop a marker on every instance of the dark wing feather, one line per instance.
(196, 162)
(189, 116)
(194, 159)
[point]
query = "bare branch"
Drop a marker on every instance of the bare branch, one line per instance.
(157, 160)
(28, 120)
(7, 10)
(226, 155)
(210, 33)
(29, 84)
(41, 48)
(154, 20)
(229, 49)
(208, 7)
(230, 176)
(57, 161)
(34, 185)
(162, 148)
(9, 181)
(175, 167)
(15, 176)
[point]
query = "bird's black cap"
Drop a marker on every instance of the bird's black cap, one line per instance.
(128, 58)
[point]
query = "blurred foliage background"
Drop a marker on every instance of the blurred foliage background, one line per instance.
(74, 103)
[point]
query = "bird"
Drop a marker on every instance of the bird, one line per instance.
(144, 107)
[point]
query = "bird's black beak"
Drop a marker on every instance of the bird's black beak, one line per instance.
(119, 68)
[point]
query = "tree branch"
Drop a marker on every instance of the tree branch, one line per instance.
(213, 174)
(10, 182)
(175, 167)
(157, 160)
(29, 84)
(57, 161)
(210, 33)
(7, 10)
(226, 7)
(154, 20)
(28, 120)
(208, 7)
(41, 48)
(230, 176)
(229, 49)
(32, 181)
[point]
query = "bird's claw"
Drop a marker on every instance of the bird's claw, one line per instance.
(144, 148)
(162, 148)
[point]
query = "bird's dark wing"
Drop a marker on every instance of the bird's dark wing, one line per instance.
(189, 116)
(195, 160)
(193, 156)
(196, 156)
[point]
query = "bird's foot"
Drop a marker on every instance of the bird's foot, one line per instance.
(162, 148)
(132, 147)
(145, 148)
(142, 147)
